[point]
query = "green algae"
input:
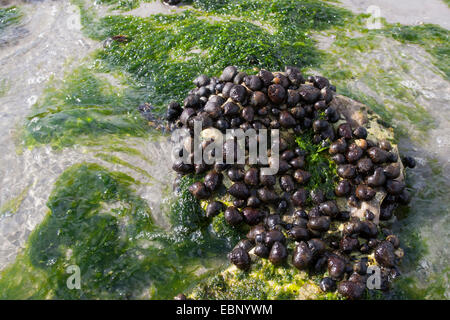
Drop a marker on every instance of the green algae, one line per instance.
(9, 16)
(98, 223)
(11, 206)
(117, 160)
(318, 163)
(122, 4)
(83, 107)
(167, 52)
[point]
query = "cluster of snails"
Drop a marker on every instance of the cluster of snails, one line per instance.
(299, 107)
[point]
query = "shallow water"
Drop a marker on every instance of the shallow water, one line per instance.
(48, 43)
(411, 12)
(45, 45)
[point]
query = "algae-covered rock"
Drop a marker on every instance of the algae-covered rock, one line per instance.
(294, 225)
(263, 282)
